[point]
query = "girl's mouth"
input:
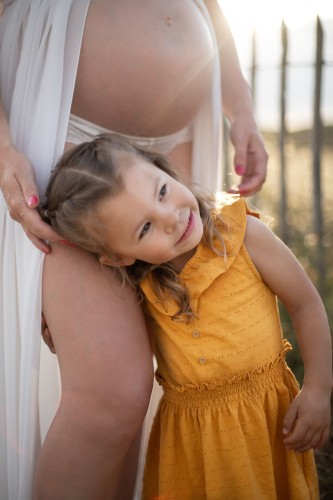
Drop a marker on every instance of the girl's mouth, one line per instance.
(189, 228)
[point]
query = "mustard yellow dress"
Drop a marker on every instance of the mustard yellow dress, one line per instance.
(217, 434)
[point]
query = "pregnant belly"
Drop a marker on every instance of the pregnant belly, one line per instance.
(145, 67)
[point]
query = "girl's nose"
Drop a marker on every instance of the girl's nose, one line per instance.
(171, 220)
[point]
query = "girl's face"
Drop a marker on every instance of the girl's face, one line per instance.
(154, 218)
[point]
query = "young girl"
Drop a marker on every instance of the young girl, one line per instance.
(232, 424)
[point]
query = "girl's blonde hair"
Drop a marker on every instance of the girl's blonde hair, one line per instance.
(90, 173)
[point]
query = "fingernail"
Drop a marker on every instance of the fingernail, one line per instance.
(284, 430)
(240, 169)
(33, 200)
(243, 192)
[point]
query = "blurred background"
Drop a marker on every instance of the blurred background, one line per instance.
(286, 53)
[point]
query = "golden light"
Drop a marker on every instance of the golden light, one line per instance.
(264, 15)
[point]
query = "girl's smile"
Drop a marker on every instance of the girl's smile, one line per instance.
(161, 221)
(189, 228)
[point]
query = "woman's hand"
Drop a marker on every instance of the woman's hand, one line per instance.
(17, 183)
(307, 421)
(250, 159)
(46, 334)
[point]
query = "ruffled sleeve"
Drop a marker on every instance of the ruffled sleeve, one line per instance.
(205, 265)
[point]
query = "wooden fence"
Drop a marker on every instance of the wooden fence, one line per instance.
(316, 145)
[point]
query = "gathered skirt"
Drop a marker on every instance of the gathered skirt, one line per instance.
(225, 443)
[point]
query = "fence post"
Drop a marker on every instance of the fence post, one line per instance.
(282, 135)
(317, 136)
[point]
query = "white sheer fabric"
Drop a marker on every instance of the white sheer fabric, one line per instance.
(39, 47)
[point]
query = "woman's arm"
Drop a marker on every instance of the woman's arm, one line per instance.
(307, 421)
(250, 160)
(17, 183)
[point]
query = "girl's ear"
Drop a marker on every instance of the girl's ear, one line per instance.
(116, 261)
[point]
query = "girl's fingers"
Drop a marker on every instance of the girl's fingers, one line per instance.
(323, 438)
(289, 423)
(311, 439)
(299, 435)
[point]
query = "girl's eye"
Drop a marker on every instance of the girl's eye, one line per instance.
(163, 191)
(145, 229)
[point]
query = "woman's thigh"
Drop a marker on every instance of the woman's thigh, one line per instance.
(97, 327)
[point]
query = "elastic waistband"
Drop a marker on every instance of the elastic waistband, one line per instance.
(81, 130)
(215, 393)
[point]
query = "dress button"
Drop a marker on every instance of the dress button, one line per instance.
(202, 360)
(195, 334)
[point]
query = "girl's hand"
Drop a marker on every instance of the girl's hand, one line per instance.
(17, 183)
(250, 159)
(307, 421)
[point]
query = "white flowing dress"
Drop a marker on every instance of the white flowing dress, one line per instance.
(40, 43)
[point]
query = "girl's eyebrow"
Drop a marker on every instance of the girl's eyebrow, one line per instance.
(155, 191)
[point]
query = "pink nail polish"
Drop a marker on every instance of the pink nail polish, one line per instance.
(68, 243)
(33, 200)
(240, 169)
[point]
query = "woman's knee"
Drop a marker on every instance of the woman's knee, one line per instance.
(113, 416)
(118, 398)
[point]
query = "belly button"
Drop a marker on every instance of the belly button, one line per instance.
(168, 20)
